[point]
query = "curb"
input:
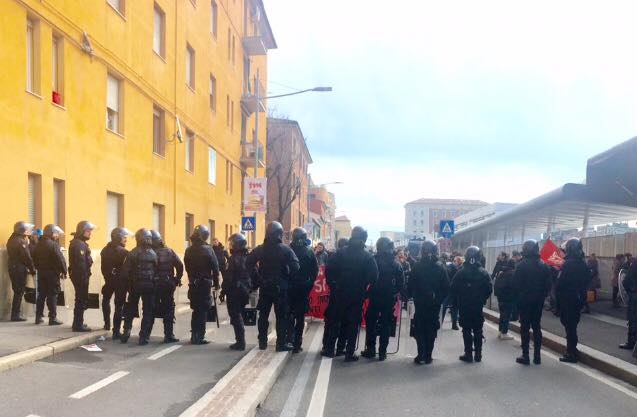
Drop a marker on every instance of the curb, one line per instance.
(31, 355)
(601, 361)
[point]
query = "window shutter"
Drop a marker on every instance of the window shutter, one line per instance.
(112, 100)
(112, 213)
(31, 200)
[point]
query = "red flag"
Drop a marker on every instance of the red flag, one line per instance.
(552, 255)
(319, 296)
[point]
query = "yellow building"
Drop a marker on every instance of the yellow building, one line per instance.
(134, 113)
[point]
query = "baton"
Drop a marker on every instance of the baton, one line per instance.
(214, 301)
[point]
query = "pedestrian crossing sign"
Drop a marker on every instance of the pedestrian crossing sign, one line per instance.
(248, 224)
(447, 228)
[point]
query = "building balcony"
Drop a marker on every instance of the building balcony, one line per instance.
(254, 45)
(249, 102)
(248, 155)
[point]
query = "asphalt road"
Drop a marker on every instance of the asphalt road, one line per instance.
(177, 376)
(496, 387)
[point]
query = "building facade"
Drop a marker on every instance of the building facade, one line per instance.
(131, 113)
(482, 213)
(322, 215)
(397, 237)
(342, 228)
(422, 217)
(288, 180)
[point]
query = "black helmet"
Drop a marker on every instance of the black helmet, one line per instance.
(573, 248)
(158, 241)
(473, 256)
(429, 249)
(238, 242)
(299, 236)
(359, 234)
(118, 234)
(342, 242)
(274, 230)
(530, 249)
(82, 227)
(143, 237)
(50, 230)
(23, 228)
(200, 232)
(385, 245)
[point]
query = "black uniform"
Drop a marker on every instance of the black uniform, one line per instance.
(203, 272)
(80, 263)
(299, 292)
(113, 256)
(630, 285)
(140, 268)
(382, 295)
(170, 269)
(470, 289)
(20, 264)
(236, 285)
(329, 318)
(428, 286)
(222, 256)
(50, 264)
(349, 272)
(276, 264)
(570, 291)
(533, 283)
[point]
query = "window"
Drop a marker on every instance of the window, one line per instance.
(112, 103)
(159, 218)
(227, 235)
(117, 5)
(114, 212)
(57, 70)
(34, 199)
(190, 66)
(233, 49)
(213, 18)
(244, 122)
(227, 110)
(213, 93)
(232, 115)
(159, 145)
(229, 177)
(58, 203)
(33, 56)
(212, 166)
(190, 151)
(189, 226)
(159, 31)
(229, 44)
(211, 226)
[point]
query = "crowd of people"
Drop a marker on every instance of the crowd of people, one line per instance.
(285, 274)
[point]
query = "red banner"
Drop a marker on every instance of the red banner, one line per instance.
(552, 255)
(319, 296)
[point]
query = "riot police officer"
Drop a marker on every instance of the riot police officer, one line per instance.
(170, 269)
(350, 272)
(533, 282)
(20, 264)
(236, 286)
(275, 264)
(51, 265)
(630, 285)
(300, 287)
(140, 268)
(382, 296)
(203, 273)
(470, 289)
(329, 311)
(570, 292)
(113, 256)
(428, 286)
(80, 262)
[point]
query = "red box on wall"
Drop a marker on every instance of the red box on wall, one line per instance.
(56, 97)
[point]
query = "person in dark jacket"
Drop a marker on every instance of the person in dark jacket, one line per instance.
(533, 282)
(237, 285)
(501, 261)
(630, 285)
(452, 268)
(203, 275)
(51, 265)
(329, 311)
(595, 283)
(382, 295)
(504, 289)
(570, 292)
(276, 264)
(221, 253)
(470, 289)
(20, 265)
(300, 287)
(80, 262)
(429, 287)
(350, 272)
(113, 256)
(140, 269)
(321, 254)
(170, 269)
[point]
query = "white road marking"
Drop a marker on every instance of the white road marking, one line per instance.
(98, 385)
(590, 372)
(319, 395)
(293, 402)
(33, 415)
(164, 352)
(607, 319)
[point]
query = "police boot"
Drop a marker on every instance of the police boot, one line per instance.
(466, 338)
(170, 338)
(54, 322)
(17, 317)
(81, 328)
(107, 323)
(537, 357)
(382, 354)
(429, 350)
(351, 358)
(116, 334)
(568, 358)
(125, 335)
(143, 341)
(477, 345)
(523, 359)
(369, 352)
(263, 344)
(38, 319)
(286, 347)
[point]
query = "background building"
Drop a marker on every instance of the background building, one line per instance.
(322, 215)
(481, 213)
(342, 228)
(399, 238)
(422, 217)
(288, 160)
(129, 113)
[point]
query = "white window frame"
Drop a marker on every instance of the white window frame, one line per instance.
(189, 151)
(30, 41)
(113, 104)
(190, 66)
(214, 18)
(118, 5)
(159, 31)
(212, 166)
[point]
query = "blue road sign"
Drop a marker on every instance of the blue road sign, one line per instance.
(248, 224)
(447, 228)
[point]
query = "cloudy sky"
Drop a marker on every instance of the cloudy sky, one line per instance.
(492, 100)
